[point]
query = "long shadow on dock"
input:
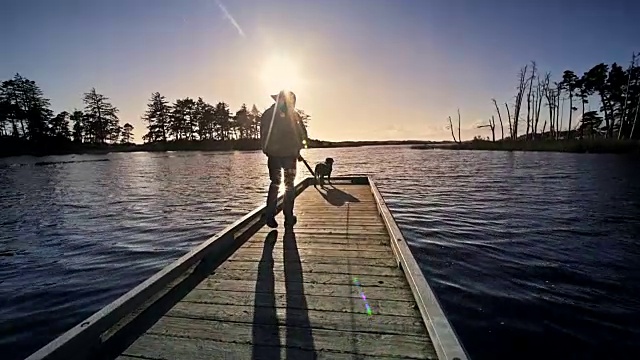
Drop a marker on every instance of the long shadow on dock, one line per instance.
(336, 197)
(130, 329)
(299, 333)
(265, 313)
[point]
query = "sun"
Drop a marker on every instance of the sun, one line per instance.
(281, 72)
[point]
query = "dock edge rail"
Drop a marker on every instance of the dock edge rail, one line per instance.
(444, 338)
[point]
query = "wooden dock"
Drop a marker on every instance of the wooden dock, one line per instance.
(341, 285)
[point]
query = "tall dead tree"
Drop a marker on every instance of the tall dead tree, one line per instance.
(538, 105)
(509, 118)
(492, 126)
(451, 127)
(520, 94)
(530, 99)
(635, 119)
(558, 113)
(459, 136)
(495, 103)
(626, 96)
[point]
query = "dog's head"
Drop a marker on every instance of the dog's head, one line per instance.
(329, 161)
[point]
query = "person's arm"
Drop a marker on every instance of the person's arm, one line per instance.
(265, 121)
(303, 136)
(302, 133)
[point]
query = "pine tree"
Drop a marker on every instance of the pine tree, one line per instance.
(101, 117)
(24, 104)
(127, 133)
(59, 126)
(158, 118)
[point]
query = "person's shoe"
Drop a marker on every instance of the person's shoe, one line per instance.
(271, 222)
(288, 223)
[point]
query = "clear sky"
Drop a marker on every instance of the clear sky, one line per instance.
(366, 69)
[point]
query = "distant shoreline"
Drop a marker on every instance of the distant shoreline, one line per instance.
(596, 146)
(20, 148)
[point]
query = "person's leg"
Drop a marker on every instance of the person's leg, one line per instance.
(289, 165)
(275, 178)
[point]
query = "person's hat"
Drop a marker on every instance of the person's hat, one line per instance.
(285, 94)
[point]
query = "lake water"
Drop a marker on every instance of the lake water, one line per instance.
(532, 255)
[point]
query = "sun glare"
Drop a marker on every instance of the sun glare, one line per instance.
(281, 72)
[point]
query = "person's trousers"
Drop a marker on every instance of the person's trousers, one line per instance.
(276, 164)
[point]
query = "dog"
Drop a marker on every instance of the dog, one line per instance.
(324, 169)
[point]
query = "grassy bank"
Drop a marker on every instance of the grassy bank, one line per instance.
(573, 146)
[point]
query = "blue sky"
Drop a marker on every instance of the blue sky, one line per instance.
(367, 69)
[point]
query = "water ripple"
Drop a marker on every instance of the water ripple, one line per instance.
(526, 251)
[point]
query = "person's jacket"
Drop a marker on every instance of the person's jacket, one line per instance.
(285, 137)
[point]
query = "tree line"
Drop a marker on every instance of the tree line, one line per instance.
(192, 120)
(26, 118)
(603, 103)
(25, 114)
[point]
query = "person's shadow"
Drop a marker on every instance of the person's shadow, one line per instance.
(336, 197)
(266, 334)
(299, 333)
(265, 329)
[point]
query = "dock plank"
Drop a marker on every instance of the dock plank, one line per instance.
(331, 320)
(317, 268)
(327, 290)
(279, 287)
(351, 304)
(304, 338)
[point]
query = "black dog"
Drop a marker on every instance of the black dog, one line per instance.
(324, 169)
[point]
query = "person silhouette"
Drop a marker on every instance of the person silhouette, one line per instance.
(282, 136)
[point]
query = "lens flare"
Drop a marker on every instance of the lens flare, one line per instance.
(356, 282)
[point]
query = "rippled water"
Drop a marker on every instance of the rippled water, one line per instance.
(533, 255)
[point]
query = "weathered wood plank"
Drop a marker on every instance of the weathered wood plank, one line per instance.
(352, 304)
(301, 338)
(320, 259)
(279, 287)
(321, 245)
(157, 347)
(302, 252)
(311, 237)
(355, 270)
(328, 320)
(320, 229)
(359, 243)
(350, 210)
(312, 221)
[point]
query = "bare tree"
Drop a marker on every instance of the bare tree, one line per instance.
(530, 100)
(635, 119)
(558, 113)
(626, 95)
(549, 94)
(492, 126)
(521, 88)
(539, 94)
(495, 103)
(451, 127)
(509, 118)
(459, 136)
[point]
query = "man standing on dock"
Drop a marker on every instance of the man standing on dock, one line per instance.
(282, 136)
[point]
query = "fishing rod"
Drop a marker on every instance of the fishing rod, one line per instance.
(307, 165)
